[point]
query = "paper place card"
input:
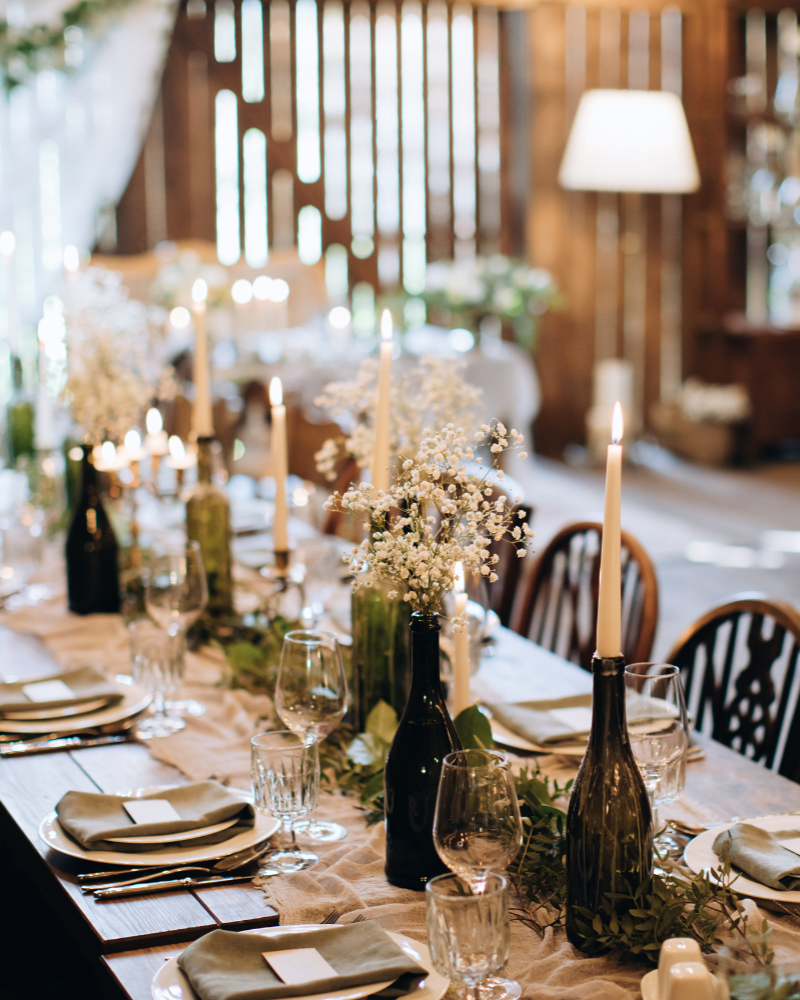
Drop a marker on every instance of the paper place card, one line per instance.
(296, 966)
(48, 691)
(151, 811)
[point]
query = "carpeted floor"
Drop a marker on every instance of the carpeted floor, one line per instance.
(671, 506)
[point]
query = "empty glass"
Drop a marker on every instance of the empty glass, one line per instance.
(155, 659)
(175, 597)
(469, 934)
(659, 733)
(311, 697)
(476, 827)
(284, 768)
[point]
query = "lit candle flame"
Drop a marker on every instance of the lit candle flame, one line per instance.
(153, 421)
(386, 325)
(72, 260)
(176, 448)
(276, 392)
(199, 291)
(108, 453)
(616, 425)
(458, 578)
(133, 441)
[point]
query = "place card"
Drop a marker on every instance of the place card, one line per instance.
(48, 691)
(295, 966)
(151, 811)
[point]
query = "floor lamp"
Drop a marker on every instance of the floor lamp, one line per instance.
(633, 142)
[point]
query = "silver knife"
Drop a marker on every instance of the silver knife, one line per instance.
(62, 743)
(178, 883)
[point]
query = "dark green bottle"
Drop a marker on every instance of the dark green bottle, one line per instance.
(411, 778)
(92, 551)
(609, 822)
(20, 419)
(208, 522)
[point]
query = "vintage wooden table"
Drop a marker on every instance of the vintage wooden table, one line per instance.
(129, 939)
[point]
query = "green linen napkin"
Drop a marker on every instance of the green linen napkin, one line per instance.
(227, 966)
(87, 683)
(558, 721)
(760, 854)
(91, 818)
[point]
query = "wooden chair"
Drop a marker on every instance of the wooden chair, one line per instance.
(739, 670)
(559, 609)
(503, 592)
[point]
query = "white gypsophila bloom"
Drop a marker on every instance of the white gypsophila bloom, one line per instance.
(113, 363)
(431, 394)
(435, 514)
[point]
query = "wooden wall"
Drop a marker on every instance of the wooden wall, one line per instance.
(541, 81)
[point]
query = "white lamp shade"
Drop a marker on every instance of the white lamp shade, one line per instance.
(629, 140)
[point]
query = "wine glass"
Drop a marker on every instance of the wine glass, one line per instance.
(476, 825)
(477, 829)
(175, 596)
(658, 729)
(468, 934)
(155, 655)
(311, 697)
(284, 768)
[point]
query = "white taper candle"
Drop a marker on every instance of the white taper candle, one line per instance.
(609, 607)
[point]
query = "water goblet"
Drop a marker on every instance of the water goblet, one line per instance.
(658, 729)
(477, 828)
(284, 768)
(311, 697)
(176, 593)
(468, 933)
(155, 656)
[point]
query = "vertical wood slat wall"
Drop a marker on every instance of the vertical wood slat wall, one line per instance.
(548, 55)
(193, 77)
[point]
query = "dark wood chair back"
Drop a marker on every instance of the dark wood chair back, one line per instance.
(503, 592)
(739, 669)
(559, 609)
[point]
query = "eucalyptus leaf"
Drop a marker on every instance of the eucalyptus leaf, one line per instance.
(382, 722)
(474, 729)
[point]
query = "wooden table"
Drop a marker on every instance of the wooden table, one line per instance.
(131, 938)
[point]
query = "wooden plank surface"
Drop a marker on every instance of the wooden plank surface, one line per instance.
(30, 787)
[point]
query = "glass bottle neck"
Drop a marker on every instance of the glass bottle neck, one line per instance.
(608, 702)
(204, 459)
(88, 471)
(425, 654)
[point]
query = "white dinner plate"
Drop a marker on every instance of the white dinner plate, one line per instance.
(51, 833)
(700, 856)
(163, 838)
(135, 700)
(169, 983)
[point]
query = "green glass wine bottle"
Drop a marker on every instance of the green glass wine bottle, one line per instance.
(208, 523)
(20, 418)
(609, 822)
(411, 777)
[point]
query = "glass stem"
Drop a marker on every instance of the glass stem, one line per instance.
(286, 841)
(158, 704)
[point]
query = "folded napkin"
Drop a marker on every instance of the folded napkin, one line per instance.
(86, 683)
(91, 818)
(760, 854)
(568, 720)
(227, 966)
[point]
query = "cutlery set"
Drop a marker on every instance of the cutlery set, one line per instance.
(154, 879)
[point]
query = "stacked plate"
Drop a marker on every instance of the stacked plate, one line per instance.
(70, 702)
(166, 848)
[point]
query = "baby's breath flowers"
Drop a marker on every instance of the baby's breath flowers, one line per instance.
(436, 512)
(432, 393)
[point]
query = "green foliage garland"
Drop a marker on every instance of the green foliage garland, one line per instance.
(674, 903)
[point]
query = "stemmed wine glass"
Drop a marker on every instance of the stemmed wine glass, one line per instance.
(658, 729)
(175, 596)
(477, 830)
(311, 697)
